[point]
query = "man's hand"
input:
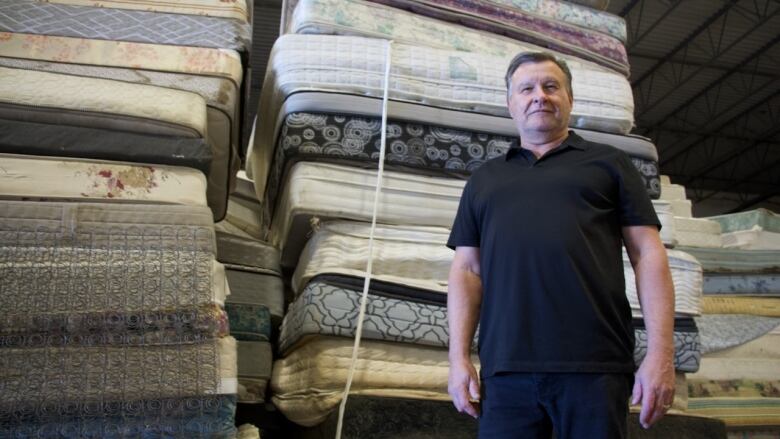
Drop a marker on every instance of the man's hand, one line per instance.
(463, 387)
(654, 388)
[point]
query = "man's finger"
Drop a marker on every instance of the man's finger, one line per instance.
(474, 389)
(636, 394)
(649, 400)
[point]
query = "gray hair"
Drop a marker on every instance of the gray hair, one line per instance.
(537, 57)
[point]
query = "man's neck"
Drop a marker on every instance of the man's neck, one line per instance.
(541, 144)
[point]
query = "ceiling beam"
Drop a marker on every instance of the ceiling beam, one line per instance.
(747, 179)
(753, 201)
(687, 63)
(736, 152)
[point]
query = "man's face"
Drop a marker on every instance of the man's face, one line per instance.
(538, 100)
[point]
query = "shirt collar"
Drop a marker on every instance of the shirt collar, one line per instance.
(572, 141)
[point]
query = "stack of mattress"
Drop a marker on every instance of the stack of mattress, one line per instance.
(739, 377)
(254, 308)
(689, 231)
(146, 82)
(112, 322)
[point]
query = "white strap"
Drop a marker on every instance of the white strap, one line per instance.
(369, 263)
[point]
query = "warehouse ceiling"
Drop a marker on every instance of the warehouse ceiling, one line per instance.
(705, 76)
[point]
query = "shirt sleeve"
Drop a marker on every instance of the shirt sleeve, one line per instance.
(465, 229)
(636, 209)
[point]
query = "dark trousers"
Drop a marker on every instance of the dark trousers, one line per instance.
(574, 405)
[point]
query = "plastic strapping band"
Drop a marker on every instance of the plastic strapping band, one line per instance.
(369, 263)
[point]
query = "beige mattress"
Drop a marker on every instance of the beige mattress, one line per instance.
(235, 9)
(308, 383)
(688, 280)
(333, 191)
(410, 255)
(739, 304)
(245, 215)
(756, 238)
(35, 375)
(668, 229)
(254, 370)
(100, 103)
(697, 232)
(31, 177)
(757, 360)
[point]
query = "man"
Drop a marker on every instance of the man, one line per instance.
(538, 263)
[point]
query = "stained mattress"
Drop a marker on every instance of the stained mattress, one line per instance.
(412, 147)
(105, 23)
(741, 304)
(333, 191)
(44, 97)
(686, 275)
(194, 416)
(36, 177)
(250, 291)
(307, 384)
(272, 118)
(756, 284)
(240, 253)
(519, 25)
(92, 143)
(254, 370)
(758, 360)
(236, 9)
(723, 331)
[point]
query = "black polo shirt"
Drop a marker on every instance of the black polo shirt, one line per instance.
(549, 234)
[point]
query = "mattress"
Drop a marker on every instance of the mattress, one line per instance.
(519, 25)
(235, 9)
(246, 215)
(308, 383)
(249, 322)
(687, 349)
(251, 290)
(328, 306)
(240, 253)
(52, 377)
(410, 255)
(35, 177)
(754, 284)
(697, 232)
(682, 208)
(33, 96)
(722, 331)
(200, 61)
(754, 230)
(671, 191)
(254, 370)
(333, 191)
(726, 260)
(731, 304)
(272, 115)
(738, 412)
(687, 278)
(194, 416)
(757, 360)
(754, 239)
(92, 143)
(141, 26)
(416, 148)
(668, 231)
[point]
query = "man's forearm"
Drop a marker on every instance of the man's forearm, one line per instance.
(464, 299)
(656, 296)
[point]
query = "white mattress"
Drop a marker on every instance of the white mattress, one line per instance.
(333, 191)
(687, 277)
(754, 239)
(681, 208)
(31, 177)
(668, 226)
(758, 359)
(671, 191)
(308, 383)
(409, 255)
(697, 232)
(259, 157)
(97, 102)
(235, 9)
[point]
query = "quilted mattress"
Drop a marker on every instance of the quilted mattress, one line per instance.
(240, 253)
(687, 278)
(413, 147)
(697, 232)
(249, 322)
(194, 416)
(754, 284)
(333, 191)
(106, 23)
(328, 306)
(519, 25)
(254, 370)
(727, 260)
(235, 9)
(741, 304)
(45, 377)
(34, 177)
(92, 143)
(758, 359)
(722, 331)
(250, 291)
(753, 230)
(307, 384)
(34, 96)
(271, 118)
(409, 255)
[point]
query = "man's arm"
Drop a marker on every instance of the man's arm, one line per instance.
(464, 298)
(654, 384)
